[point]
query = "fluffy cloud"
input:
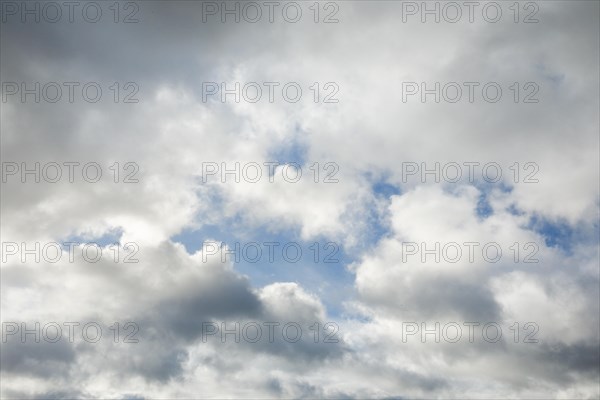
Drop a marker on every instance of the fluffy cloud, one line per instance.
(179, 300)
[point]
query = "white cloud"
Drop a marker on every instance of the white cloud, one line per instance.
(370, 134)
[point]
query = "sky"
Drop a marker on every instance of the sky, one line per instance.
(310, 199)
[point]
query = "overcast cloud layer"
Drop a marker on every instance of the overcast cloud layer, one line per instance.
(372, 305)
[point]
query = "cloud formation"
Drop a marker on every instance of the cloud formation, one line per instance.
(384, 189)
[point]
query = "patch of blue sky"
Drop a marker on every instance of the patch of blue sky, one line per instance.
(383, 190)
(559, 233)
(267, 257)
(514, 210)
(562, 235)
(484, 208)
(113, 236)
(377, 217)
(295, 150)
(322, 267)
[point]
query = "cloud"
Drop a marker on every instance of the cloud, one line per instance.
(546, 201)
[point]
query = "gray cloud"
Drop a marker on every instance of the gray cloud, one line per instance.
(370, 132)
